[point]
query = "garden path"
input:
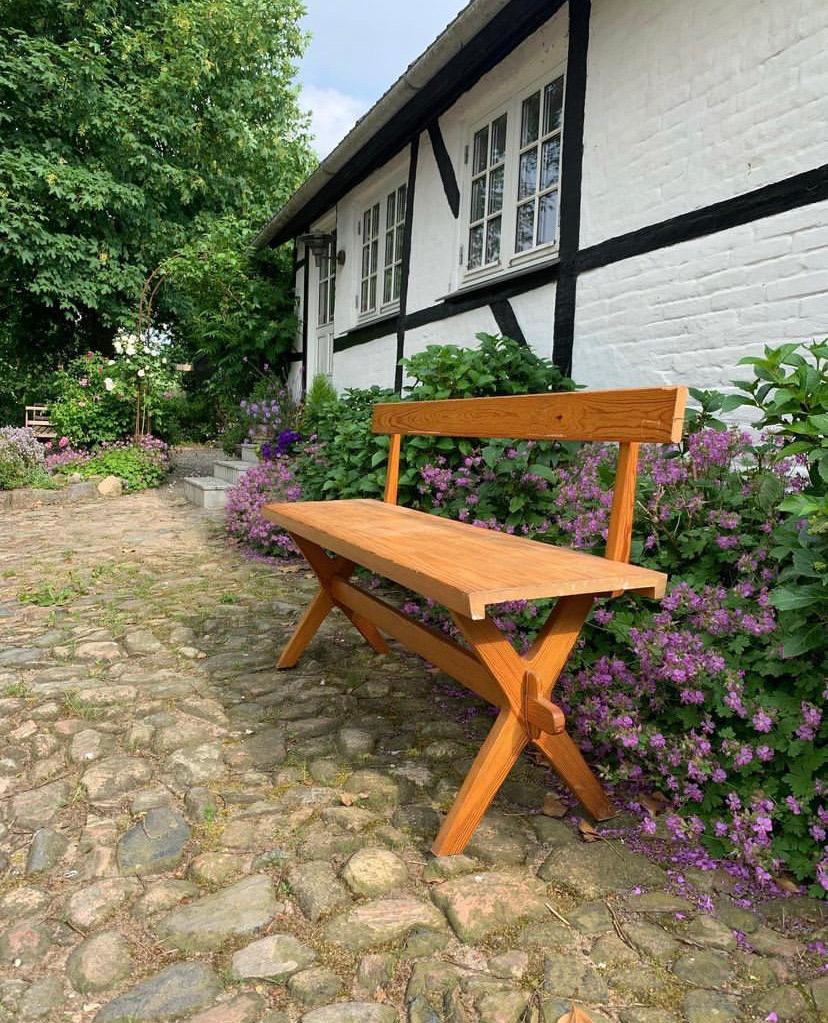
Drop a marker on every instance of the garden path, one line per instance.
(186, 833)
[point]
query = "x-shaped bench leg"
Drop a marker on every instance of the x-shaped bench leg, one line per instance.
(326, 569)
(526, 683)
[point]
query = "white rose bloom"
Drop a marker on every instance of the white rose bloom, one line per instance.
(141, 373)
(118, 347)
(109, 383)
(163, 362)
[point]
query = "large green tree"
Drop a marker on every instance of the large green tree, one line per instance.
(133, 133)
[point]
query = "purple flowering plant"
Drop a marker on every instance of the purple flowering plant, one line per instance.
(21, 457)
(271, 480)
(694, 696)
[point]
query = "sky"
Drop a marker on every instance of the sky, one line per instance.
(359, 48)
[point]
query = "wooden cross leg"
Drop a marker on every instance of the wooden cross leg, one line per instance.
(528, 716)
(328, 570)
(519, 685)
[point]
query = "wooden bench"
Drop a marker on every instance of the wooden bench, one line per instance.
(468, 569)
(37, 420)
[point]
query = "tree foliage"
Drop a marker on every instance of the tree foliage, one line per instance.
(131, 132)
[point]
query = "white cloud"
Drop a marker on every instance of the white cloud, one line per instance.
(333, 114)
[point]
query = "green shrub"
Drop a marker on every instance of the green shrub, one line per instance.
(345, 459)
(790, 390)
(86, 408)
(140, 466)
(192, 417)
(321, 392)
(498, 366)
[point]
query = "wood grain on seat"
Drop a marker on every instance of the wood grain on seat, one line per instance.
(461, 567)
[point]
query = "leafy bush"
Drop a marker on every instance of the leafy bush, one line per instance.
(192, 416)
(345, 459)
(140, 466)
(790, 390)
(87, 409)
(320, 393)
(98, 399)
(498, 366)
(21, 458)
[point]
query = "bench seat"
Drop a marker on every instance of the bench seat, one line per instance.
(462, 567)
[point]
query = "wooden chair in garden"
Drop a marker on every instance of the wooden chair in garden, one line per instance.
(37, 419)
(467, 569)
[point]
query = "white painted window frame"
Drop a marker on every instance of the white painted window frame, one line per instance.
(509, 257)
(378, 197)
(394, 242)
(326, 287)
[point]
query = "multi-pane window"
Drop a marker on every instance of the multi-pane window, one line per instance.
(514, 176)
(395, 206)
(370, 259)
(488, 178)
(539, 167)
(327, 285)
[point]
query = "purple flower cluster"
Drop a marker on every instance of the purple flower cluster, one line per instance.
(286, 440)
(670, 696)
(275, 413)
(271, 480)
(692, 696)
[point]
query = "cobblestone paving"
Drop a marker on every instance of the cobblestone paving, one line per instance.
(188, 834)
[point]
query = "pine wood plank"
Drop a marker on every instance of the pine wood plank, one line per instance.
(392, 471)
(497, 756)
(315, 613)
(463, 568)
(619, 534)
(569, 763)
(436, 648)
(636, 414)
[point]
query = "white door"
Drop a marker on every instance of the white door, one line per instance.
(323, 361)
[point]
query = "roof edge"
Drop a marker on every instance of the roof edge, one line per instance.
(445, 48)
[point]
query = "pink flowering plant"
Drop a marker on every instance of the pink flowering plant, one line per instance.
(271, 480)
(694, 696)
(698, 696)
(61, 456)
(139, 465)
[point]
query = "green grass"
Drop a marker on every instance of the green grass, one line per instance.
(16, 689)
(75, 705)
(48, 595)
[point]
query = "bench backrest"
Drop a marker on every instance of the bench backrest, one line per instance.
(629, 416)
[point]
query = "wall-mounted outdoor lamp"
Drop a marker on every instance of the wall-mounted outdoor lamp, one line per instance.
(319, 244)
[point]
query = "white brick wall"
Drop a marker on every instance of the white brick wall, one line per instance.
(366, 365)
(687, 314)
(689, 103)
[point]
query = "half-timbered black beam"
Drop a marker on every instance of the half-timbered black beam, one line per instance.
(445, 167)
(572, 160)
(406, 259)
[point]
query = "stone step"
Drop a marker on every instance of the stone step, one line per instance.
(249, 453)
(206, 491)
(230, 469)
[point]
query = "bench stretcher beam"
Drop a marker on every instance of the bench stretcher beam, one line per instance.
(519, 685)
